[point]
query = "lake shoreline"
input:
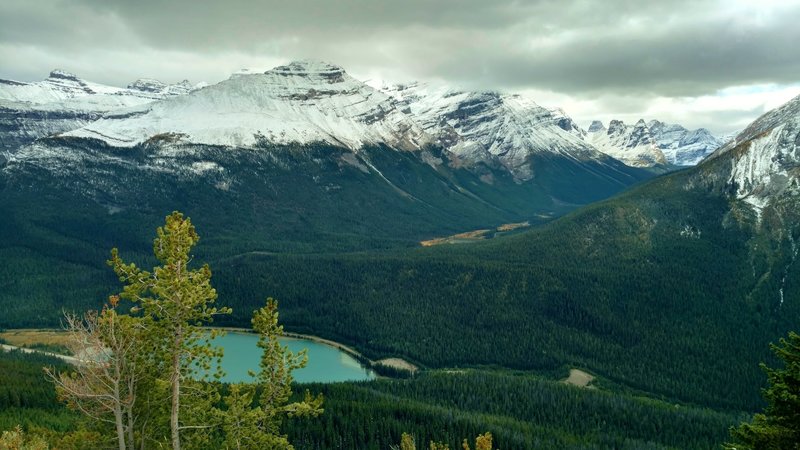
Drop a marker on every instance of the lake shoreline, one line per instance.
(395, 363)
(52, 335)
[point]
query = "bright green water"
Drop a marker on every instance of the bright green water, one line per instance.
(326, 364)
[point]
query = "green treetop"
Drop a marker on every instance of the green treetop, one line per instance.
(778, 428)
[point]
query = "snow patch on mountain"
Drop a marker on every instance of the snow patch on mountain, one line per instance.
(302, 102)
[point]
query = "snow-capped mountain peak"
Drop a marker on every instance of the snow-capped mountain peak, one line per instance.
(491, 127)
(596, 126)
(317, 70)
(301, 102)
(683, 147)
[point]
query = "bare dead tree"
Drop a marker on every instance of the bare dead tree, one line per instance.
(104, 383)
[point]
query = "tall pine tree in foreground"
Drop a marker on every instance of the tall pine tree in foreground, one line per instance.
(778, 428)
(179, 300)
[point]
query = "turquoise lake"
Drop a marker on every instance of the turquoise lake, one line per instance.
(326, 364)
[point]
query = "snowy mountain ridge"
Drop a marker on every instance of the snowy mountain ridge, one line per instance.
(491, 127)
(64, 102)
(64, 89)
(302, 102)
(310, 101)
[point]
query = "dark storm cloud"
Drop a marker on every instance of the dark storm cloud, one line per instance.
(669, 47)
(674, 48)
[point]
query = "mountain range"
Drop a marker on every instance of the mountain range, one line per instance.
(275, 144)
(498, 129)
(653, 143)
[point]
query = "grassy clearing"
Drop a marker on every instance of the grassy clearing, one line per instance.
(579, 378)
(34, 338)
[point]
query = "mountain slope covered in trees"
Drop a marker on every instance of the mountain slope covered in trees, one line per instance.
(675, 287)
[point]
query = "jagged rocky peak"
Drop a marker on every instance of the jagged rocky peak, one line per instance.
(596, 126)
(640, 133)
(616, 127)
(63, 74)
(147, 85)
(311, 69)
(679, 146)
(632, 144)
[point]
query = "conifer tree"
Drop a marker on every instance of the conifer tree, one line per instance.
(778, 428)
(178, 300)
(257, 427)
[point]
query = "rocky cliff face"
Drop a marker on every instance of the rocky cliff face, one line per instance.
(764, 160)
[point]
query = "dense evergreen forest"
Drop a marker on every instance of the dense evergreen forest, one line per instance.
(646, 289)
(621, 288)
(654, 294)
(27, 398)
(58, 228)
(520, 410)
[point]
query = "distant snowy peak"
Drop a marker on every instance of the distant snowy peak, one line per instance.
(653, 143)
(160, 89)
(634, 145)
(301, 102)
(491, 127)
(683, 147)
(64, 102)
(596, 127)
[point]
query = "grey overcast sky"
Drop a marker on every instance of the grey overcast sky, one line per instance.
(717, 64)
